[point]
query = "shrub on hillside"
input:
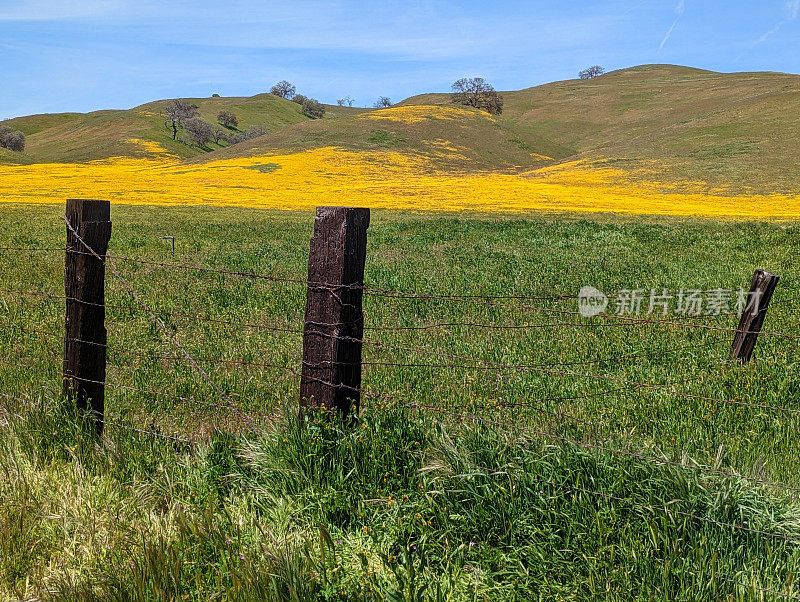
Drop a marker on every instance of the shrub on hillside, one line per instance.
(299, 98)
(254, 131)
(227, 119)
(313, 109)
(12, 140)
(283, 89)
(477, 92)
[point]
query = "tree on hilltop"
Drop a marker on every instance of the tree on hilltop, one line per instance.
(283, 89)
(383, 102)
(177, 113)
(477, 92)
(591, 72)
(345, 102)
(313, 109)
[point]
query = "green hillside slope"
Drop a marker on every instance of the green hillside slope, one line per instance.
(457, 138)
(738, 129)
(79, 137)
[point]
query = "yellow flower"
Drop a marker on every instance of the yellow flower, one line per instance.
(381, 179)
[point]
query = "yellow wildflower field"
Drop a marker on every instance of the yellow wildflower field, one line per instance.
(148, 147)
(418, 113)
(392, 180)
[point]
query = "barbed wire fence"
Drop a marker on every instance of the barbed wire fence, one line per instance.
(332, 338)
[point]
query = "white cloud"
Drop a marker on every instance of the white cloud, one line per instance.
(792, 8)
(679, 10)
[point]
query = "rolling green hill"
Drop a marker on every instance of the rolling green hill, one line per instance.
(80, 137)
(457, 138)
(738, 131)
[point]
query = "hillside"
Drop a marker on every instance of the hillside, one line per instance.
(653, 130)
(140, 132)
(740, 129)
(454, 138)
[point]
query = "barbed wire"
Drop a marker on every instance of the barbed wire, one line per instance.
(161, 325)
(299, 330)
(639, 354)
(652, 353)
(488, 365)
(617, 320)
(465, 299)
(385, 292)
(535, 405)
(35, 249)
(478, 364)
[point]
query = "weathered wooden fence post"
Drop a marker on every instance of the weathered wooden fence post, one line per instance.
(752, 319)
(334, 326)
(84, 286)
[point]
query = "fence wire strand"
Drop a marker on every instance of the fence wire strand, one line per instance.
(460, 412)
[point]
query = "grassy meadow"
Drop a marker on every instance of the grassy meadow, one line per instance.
(409, 504)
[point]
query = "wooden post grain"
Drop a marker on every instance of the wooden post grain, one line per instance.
(761, 289)
(84, 286)
(334, 326)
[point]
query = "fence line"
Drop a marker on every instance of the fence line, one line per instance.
(376, 291)
(463, 411)
(161, 326)
(299, 330)
(535, 405)
(478, 364)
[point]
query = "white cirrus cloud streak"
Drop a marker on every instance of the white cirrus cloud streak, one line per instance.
(679, 10)
(792, 8)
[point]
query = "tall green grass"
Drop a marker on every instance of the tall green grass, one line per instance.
(407, 504)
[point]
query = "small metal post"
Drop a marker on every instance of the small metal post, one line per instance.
(171, 239)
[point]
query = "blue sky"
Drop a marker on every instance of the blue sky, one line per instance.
(81, 55)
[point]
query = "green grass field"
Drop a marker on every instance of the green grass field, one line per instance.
(409, 504)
